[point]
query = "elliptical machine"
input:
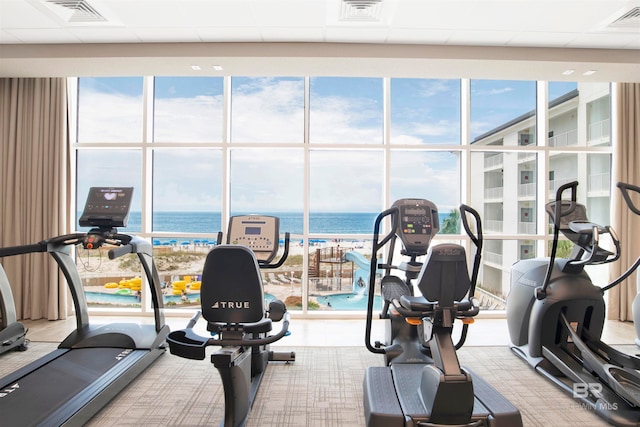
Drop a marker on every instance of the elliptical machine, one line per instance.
(12, 333)
(555, 316)
(423, 382)
(635, 307)
(232, 302)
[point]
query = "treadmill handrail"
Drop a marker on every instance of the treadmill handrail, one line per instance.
(59, 248)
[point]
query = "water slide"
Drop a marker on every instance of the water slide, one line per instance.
(361, 275)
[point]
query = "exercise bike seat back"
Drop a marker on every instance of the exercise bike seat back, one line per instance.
(231, 290)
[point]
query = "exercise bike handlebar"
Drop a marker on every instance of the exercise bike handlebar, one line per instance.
(186, 343)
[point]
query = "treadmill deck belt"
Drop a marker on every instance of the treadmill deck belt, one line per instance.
(77, 375)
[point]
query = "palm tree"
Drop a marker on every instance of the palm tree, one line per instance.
(451, 224)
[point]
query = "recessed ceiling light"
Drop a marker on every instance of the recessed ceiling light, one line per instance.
(589, 73)
(217, 67)
(568, 72)
(195, 67)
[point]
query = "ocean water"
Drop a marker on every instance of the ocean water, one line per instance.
(210, 222)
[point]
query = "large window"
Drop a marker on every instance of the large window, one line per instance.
(326, 155)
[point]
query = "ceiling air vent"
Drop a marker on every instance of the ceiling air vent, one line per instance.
(76, 11)
(360, 10)
(630, 21)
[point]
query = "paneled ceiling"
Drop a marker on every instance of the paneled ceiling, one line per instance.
(433, 38)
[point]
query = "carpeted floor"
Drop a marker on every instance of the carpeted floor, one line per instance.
(322, 388)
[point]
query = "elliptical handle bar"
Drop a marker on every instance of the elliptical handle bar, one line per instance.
(477, 240)
(573, 185)
(624, 189)
(476, 237)
(541, 292)
(283, 257)
(376, 245)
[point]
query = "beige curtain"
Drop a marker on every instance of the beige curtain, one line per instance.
(33, 189)
(626, 169)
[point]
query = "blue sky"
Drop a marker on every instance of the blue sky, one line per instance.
(342, 111)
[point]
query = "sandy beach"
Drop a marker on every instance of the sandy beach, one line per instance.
(180, 262)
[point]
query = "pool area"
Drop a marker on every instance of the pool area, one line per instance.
(350, 301)
(132, 300)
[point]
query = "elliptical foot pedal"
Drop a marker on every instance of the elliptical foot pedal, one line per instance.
(282, 356)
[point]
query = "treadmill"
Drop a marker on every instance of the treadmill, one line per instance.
(95, 362)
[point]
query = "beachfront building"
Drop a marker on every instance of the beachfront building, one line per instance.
(522, 167)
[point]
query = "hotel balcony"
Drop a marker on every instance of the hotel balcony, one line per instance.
(599, 133)
(492, 258)
(527, 227)
(527, 190)
(526, 157)
(557, 183)
(495, 193)
(599, 184)
(494, 161)
(495, 225)
(565, 139)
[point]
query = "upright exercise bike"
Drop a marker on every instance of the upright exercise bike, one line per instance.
(555, 315)
(423, 382)
(233, 304)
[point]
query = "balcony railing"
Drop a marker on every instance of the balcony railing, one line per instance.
(493, 193)
(492, 257)
(527, 190)
(526, 227)
(555, 184)
(526, 157)
(493, 225)
(565, 139)
(599, 132)
(493, 161)
(599, 182)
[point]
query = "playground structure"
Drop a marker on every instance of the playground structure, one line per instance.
(338, 269)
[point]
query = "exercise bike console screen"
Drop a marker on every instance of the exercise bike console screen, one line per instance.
(107, 207)
(417, 224)
(259, 233)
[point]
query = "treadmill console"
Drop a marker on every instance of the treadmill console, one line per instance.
(416, 224)
(107, 207)
(260, 233)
